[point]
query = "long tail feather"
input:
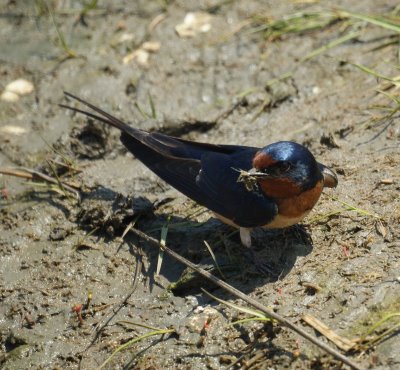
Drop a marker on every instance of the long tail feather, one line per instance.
(103, 116)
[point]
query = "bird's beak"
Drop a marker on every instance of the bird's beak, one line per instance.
(330, 177)
(256, 174)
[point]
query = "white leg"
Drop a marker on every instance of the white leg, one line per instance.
(245, 236)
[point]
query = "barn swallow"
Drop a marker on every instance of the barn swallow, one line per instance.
(246, 187)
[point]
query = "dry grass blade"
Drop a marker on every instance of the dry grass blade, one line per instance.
(380, 228)
(343, 343)
(81, 242)
(69, 166)
(57, 178)
(37, 177)
(68, 163)
(131, 224)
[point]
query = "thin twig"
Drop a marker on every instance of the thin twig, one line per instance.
(249, 300)
(33, 175)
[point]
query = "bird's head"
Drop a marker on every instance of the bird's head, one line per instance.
(286, 169)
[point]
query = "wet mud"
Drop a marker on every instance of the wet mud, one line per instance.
(72, 290)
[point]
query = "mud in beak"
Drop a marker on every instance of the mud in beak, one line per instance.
(249, 178)
(330, 177)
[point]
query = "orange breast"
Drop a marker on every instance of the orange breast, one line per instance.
(293, 209)
(300, 204)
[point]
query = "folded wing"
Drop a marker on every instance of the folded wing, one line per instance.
(201, 171)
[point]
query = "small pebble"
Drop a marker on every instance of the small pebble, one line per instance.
(9, 96)
(20, 87)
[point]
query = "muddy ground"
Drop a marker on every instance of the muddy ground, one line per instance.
(213, 86)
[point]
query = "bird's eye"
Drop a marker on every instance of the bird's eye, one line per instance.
(284, 166)
(277, 169)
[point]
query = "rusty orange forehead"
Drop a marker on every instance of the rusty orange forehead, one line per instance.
(263, 160)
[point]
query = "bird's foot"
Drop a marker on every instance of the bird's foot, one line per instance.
(261, 266)
(301, 233)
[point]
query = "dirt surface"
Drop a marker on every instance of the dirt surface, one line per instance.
(215, 87)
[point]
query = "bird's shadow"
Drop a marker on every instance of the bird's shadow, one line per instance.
(106, 214)
(110, 213)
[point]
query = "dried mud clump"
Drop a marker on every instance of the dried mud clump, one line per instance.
(89, 142)
(97, 213)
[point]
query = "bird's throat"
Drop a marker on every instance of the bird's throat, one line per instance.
(279, 188)
(299, 205)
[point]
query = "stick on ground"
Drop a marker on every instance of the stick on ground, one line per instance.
(222, 284)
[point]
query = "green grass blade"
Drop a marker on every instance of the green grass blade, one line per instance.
(349, 207)
(245, 310)
(374, 73)
(152, 107)
(87, 7)
(376, 20)
(70, 53)
(133, 341)
(392, 97)
(163, 239)
(141, 110)
(249, 319)
(330, 45)
(214, 259)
